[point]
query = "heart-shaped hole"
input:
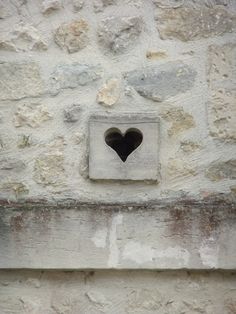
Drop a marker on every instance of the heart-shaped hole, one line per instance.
(123, 144)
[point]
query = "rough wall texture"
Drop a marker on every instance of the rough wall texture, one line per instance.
(117, 292)
(62, 61)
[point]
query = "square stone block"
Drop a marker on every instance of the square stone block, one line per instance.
(124, 147)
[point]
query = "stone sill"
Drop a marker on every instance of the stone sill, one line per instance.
(166, 235)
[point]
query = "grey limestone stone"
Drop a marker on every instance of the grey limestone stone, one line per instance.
(72, 113)
(77, 5)
(73, 75)
(163, 81)
(12, 164)
(118, 33)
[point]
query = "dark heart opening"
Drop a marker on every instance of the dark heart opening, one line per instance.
(123, 144)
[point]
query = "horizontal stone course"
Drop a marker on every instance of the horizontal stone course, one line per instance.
(141, 292)
(181, 234)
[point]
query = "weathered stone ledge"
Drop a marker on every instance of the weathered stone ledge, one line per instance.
(183, 234)
(212, 201)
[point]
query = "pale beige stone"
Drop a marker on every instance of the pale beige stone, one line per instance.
(189, 146)
(13, 189)
(221, 170)
(109, 93)
(155, 55)
(19, 80)
(221, 66)
(222, 84)
(6, 44)
(180, 120)
(193, 23)
(72, 36)
(178, 168)
(32, 115)
(49, 168)
(222, 115)
(78, 137)
(23, 37)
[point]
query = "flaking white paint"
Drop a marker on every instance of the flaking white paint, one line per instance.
(113, 259)
(100, 238)
(209, 254)
(139, 253)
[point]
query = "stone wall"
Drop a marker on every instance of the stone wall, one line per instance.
(62, 61)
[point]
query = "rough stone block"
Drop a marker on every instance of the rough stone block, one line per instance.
(222, 170)
(20, 80)
(222, 84)
(73, 36)
(194, 23)
(23, 37)
(163, 81)
(72, 113)
(32, 115)
(116, 34)
(49, 168)
(109, 93)
(124, 147)
(73, 75)
(179, 119)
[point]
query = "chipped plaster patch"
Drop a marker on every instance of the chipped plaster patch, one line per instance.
(140, 253)
(209, 254)
(114, 250)
(100, 237)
